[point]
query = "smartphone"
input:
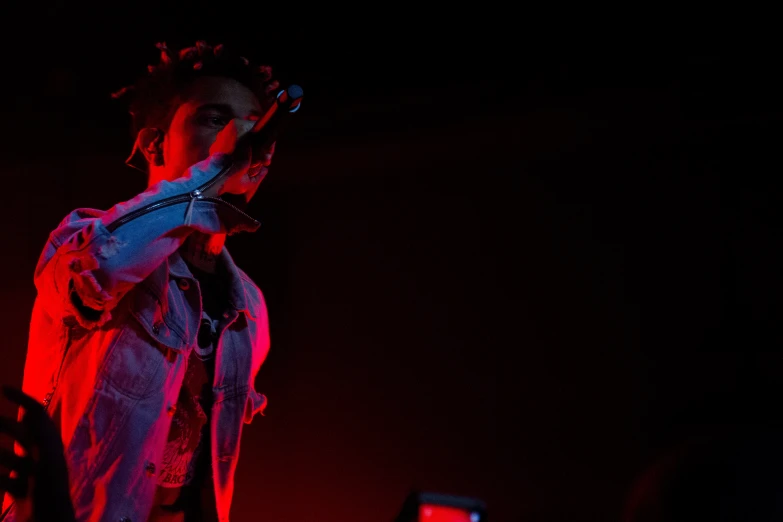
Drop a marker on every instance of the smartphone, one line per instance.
(434, 513)
(437, 507)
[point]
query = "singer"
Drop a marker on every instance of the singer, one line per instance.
(145, 337)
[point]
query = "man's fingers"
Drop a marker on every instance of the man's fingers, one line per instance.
(14, 429)
(17, 431)
(16, 487)
(22, 399)
(13, 462)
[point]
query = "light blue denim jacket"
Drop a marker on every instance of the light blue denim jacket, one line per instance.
(112, 377)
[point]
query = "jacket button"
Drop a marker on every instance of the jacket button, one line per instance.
(156, 329)
(184, 284)
(149, 469)
(171, 410)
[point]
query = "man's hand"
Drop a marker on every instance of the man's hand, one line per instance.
(246, 173)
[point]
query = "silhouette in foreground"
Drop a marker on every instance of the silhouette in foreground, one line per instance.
(38, 481)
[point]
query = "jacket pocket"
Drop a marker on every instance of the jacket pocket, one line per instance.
(164, 327)
(135, 365)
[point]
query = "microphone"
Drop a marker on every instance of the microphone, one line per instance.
(267, 128)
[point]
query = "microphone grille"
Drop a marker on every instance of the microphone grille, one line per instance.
(294, 92)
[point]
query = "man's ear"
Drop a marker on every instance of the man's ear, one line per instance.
(147, 150)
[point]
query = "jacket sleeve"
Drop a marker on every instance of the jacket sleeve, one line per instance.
(94, 258)
(257, 402)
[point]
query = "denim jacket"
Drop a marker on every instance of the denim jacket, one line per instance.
(114, 321)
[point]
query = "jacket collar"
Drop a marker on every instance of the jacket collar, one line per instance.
(237, 295)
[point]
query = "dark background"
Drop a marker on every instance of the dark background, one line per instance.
(498, 263)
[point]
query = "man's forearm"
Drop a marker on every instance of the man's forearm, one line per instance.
(104, 257)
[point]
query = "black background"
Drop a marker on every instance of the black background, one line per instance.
(498, 263)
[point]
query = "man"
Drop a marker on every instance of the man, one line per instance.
(145, 337)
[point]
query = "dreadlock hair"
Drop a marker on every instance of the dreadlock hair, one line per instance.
(157, 95)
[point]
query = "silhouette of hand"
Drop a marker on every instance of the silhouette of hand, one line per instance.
(41, 472)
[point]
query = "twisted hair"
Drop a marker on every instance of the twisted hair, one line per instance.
(157, 95)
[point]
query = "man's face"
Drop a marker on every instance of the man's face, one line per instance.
(209, 104)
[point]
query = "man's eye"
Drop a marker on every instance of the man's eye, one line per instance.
(214, 121)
